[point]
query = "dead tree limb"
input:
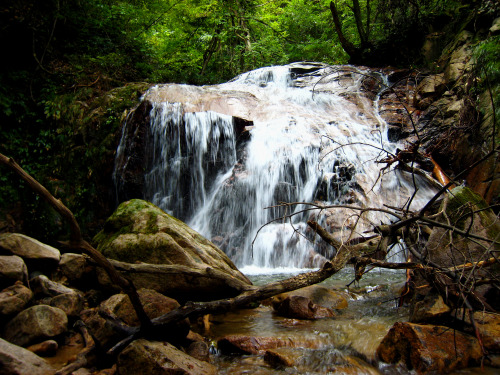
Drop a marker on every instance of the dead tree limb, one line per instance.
(82, 357)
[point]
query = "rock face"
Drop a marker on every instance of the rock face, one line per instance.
(427, 348)
(15, 360)
(159, 358)
(139, 231)
(36, 323)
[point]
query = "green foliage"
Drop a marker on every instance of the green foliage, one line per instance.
(487, 56)
(60, 106)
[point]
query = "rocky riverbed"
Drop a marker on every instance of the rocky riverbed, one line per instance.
(60, 316)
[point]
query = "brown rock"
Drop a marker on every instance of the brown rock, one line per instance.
(299, 307)
(15, 360)
(46, 348)
(154, 303)
(70, 303)
(32, 251)
(430, 310)
(36, 323)
(488, 325)
(14, 298)
(318, 294)
(428, 348)
(42, 285)
(73, 266)
(242, 344)
(159, 358)
(199, 350)
(12, 269)
(283, 357)
(102, 332)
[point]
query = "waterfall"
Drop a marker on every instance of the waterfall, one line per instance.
(315, 136)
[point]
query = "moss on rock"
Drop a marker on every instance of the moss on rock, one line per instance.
(139, 231)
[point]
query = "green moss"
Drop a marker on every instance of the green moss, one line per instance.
(463, 202)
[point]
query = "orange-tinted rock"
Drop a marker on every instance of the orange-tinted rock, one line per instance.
(428, 348)
(46, 348)
(300, 307)
(318, 294)
(241, 344)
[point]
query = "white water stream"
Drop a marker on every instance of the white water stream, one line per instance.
(315, 137)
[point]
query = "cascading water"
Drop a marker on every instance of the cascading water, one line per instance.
(315, 137)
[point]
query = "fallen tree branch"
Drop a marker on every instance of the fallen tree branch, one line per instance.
(82, 357)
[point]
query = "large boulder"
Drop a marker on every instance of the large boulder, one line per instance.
(37, 255)
(468, 212)
(36, 324)
(140, 232)
(154, 357)
(429, 348)
(15, 360)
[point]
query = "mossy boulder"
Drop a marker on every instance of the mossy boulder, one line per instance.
(466, 212)
(140, 232)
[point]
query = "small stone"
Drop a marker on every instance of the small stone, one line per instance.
(299, 307)
(46, 348)
(199, 350)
